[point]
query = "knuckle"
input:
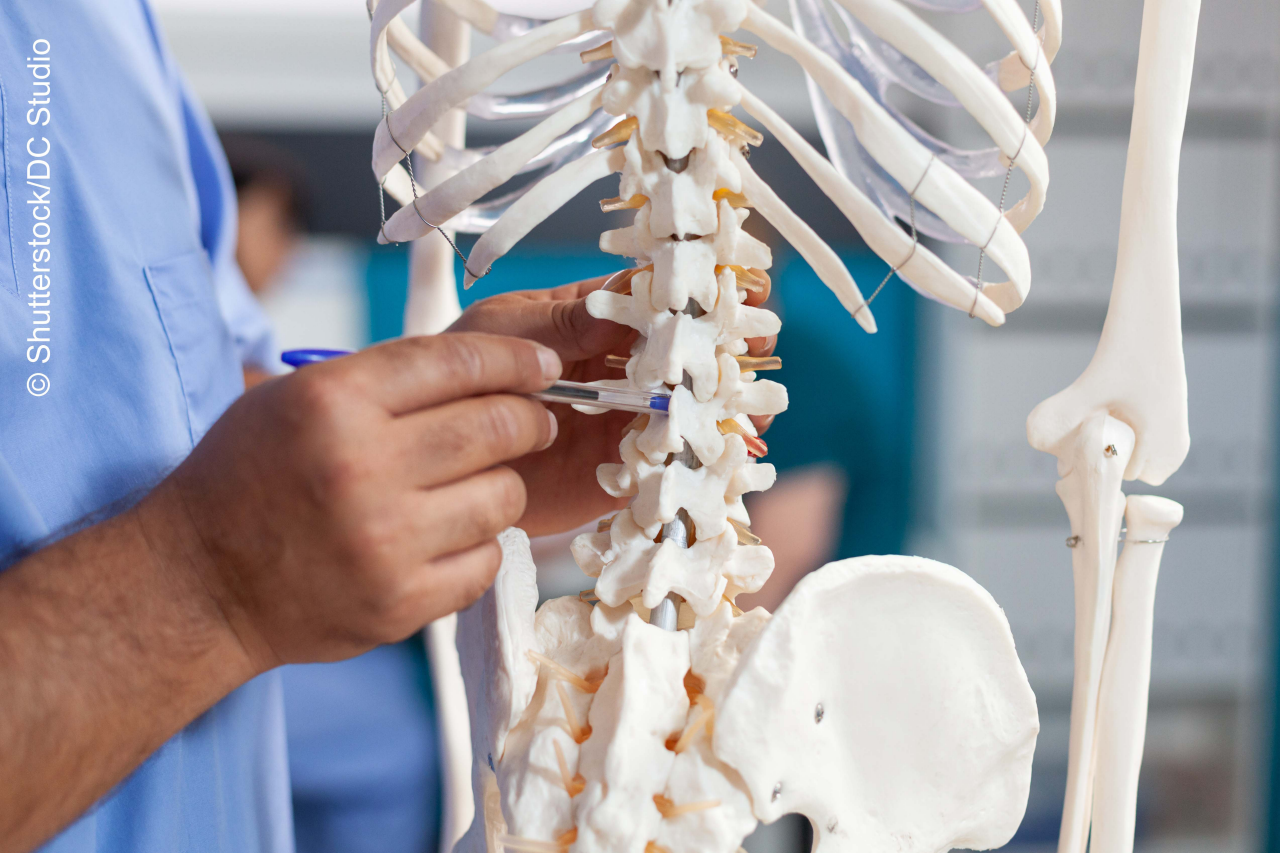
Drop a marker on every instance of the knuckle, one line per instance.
(373, 554)
(508, 497)
(505, 426)
(494, 506)
(317, 396)
(565, 321)
(463, 359)
(486, 560)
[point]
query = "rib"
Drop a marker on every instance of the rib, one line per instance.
(415, 118)
(938, 186)
(421, 59)
(385, 23)
(961, 76)
(387, 29)
(1015, 70)
(399, 185)
(453, 195)
(546, 197)
(825, 262)
(921, 267)
(539, 102)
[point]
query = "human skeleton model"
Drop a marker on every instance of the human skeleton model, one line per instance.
(884, 699)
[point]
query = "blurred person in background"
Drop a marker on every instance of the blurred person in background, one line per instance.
(843, 447)
(364, 762)
(272, 205)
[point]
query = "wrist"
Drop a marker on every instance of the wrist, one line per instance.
(180, 555)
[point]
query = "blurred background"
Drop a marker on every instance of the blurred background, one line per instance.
(912, 440)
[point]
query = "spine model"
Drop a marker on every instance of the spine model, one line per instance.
(632, 759)
(685, 538)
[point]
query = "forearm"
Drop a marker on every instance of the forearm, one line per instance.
(109, 644)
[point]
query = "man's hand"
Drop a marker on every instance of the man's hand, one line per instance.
(563, 492)
(351, 503)
(328, 511)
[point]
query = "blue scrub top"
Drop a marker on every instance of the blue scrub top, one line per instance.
(123, 326)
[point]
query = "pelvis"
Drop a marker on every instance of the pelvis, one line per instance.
(884, 700)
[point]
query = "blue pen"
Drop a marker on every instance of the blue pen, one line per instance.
(574, 393)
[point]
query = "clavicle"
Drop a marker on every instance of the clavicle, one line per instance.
(735, 200)
(668, 809)
(605, 51)
(728, 47)
(565, 673)
(609, 205)
(574, 784)
(621, 132)
(728, 127)
(755, 444)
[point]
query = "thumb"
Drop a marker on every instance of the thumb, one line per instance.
(569, 329)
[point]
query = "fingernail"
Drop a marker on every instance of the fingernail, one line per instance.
(555, 430)
(550, 363)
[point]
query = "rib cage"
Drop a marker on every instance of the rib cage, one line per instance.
(893, 49)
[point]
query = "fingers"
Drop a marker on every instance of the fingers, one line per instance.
(463, 514)
(761, 423)
(759, 347)
(444, 443)
(756, 298)
(446, 584)
(563, 324)
(454, 582)
(414, 373)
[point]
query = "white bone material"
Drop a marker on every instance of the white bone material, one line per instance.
(1137, 373)
(536, 205)
(1126, 672)
(415, 118)
(884, 701)
(431, 306)
(821, 257)
(918, 264)
(937, 186)
(454, 194)
(1135, 388)
(1090, 490)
